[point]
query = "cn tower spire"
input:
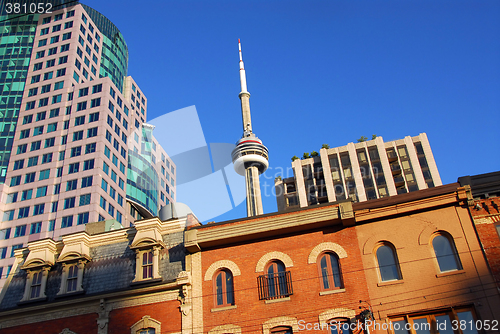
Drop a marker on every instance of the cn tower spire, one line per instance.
(244, 96)
(243, 78)
(250, 156)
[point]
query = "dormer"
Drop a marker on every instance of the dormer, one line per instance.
(74, 255)
(147, 243)
(41, 257)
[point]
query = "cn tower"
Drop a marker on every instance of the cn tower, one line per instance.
(250, 156)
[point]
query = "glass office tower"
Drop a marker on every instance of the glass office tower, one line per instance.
(74, 142)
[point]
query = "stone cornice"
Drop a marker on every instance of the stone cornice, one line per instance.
(41, 253)
(87, 302)
(197, 239)
(76, 246)
(115, 236)
(453, 198)
(148, 234)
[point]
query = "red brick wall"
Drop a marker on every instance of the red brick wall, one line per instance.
(486, 217)
(167, 313)
(120, 321)
(80, 324)
(306, 303)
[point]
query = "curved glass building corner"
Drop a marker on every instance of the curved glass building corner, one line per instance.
(114, 56)
(142, 182)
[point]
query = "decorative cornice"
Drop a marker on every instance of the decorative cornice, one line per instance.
(406, 207)
(148, 234)
(197, 239)
(41, 253)
(90, 304)
(76, 247)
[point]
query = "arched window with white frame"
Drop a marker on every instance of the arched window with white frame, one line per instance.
(329, 270)
(446, 253)
(223, 288)
(388, 263)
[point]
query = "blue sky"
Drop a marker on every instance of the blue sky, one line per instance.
(324, 72)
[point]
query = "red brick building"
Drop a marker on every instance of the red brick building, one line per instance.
(411, 264)
(280, 271)
(485, 211)
(410, 260)
(130, 280)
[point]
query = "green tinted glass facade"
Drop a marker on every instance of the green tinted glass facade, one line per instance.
(142, 178)
(17, 33)
(142, 182)
(114, 56)
(16, 41)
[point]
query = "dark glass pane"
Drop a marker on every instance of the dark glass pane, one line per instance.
(270, 284)
(445, 254)
(35, 291)
(335, 269)
(218, 287)
(387, 264)
(283, 288)
(229, 288)
(324, 272)
(421, 326)
(443, 324)
(469, 320)
(399, 327)
(281, 266)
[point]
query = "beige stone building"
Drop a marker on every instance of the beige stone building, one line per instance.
(360, 171)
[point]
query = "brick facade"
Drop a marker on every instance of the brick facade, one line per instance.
(486, 216)
(79, 324)
(424, 291)
(115, 295)
(299, 251)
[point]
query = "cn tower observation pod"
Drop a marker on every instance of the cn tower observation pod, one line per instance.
(250, 151)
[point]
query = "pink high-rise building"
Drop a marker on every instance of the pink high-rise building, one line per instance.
(82, 151)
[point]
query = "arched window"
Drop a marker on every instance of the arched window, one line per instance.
(446, 253)
(224, 290)
(276, 283)
(339, 326)
(388, 263)
(276, 279)
(72, 278)
(147, 331)
(281, 330)
(147, 264)
(146, 325)
(329, 269)
(36, 284)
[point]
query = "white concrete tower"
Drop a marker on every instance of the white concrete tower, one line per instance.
(250, 156)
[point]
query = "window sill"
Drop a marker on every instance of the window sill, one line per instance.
(146, 281)
(329, 292)
(277, 300)
(450, 273)
(224, 308)
(72, 293)
(399, 281)
(34, 300)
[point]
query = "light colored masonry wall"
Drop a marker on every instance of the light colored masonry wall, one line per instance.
(414, 175)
